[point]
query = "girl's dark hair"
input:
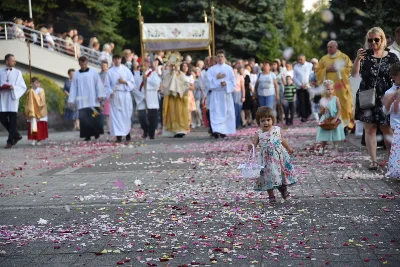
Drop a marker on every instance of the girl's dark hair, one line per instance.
(251, 69)
(70, 70)
(188, 71)
(277, 63)
(264, 112)
(34, 79)
(394, 69)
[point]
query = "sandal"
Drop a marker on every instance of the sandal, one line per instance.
(272, 200)
(286, 195)
(373, 166)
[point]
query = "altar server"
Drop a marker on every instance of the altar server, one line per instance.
(118, 85)
(88, 91)
(148, 108)
(12, 87)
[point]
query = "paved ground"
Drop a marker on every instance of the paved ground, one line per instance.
(169, 202)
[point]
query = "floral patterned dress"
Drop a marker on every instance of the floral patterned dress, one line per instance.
(394, 160)
(278, 169)
(369, 74)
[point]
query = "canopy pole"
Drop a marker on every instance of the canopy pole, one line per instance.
(213, 30)
(140, 19)
(29, 60)
(206, 20)
(30, 8)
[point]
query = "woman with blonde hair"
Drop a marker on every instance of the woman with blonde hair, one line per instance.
(372, 64)
(106, 54)
(92, 41)
(17, 30)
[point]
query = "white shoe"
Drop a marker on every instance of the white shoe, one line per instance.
(334, 154)
(39, 143)
(34, 143)
(198, 125)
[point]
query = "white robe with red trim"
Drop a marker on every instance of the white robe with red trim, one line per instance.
(151, 98)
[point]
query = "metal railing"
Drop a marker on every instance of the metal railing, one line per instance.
(9, 30)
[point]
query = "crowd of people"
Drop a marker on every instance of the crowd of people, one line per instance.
(69, 42)
(176, 95)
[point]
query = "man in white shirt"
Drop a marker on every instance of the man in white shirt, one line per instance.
(222, 82)
(118, 85)
(149, 87)
(49, 37)
(395, 47)
(301, 78)
(88, 91)
(12, 87)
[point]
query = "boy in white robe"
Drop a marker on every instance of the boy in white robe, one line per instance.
(222, 82)
(118, 85)
(88, 91)
(12, 87)
(148, 108)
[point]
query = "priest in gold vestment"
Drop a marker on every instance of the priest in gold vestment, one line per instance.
(176, 120)
(336, 66)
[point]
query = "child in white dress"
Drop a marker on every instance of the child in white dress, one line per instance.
(278, 170)
(391, 102)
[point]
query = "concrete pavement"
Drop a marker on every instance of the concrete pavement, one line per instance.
(182, 202)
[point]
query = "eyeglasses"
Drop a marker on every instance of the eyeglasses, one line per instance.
(376, 40)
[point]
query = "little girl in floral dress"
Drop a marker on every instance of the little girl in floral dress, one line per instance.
(278, 170)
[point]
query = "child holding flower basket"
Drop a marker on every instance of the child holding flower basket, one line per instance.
(278, 172)
(330, 126)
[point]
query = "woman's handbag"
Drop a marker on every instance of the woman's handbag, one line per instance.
(367, 98)
(250, 168)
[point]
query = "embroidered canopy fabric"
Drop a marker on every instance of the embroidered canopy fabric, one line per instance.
(176, 36)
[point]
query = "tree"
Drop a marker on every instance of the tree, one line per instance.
(270, 45)
(240, 25)
(294, 21)
(312, 34)
(353, 18)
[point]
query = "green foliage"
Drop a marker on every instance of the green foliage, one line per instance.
(55, 97)
(240, 25)
(302, 30)
(244, 28)
(19, 8)
(353, 18)
(269, 47)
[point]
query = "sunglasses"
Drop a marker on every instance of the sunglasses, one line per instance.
(376, 40)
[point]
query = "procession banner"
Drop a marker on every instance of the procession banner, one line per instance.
(176, 36)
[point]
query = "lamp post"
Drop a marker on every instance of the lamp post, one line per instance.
(30, 9)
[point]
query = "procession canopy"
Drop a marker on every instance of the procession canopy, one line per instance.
(176, 36)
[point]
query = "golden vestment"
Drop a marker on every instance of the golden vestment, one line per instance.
(340, 77)
(35, 105)
(176, 117)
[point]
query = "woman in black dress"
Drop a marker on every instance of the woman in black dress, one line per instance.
(248, 102)
(373, 66)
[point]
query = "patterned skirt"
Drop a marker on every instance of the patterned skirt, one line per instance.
(394, 160)
(278, 170)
